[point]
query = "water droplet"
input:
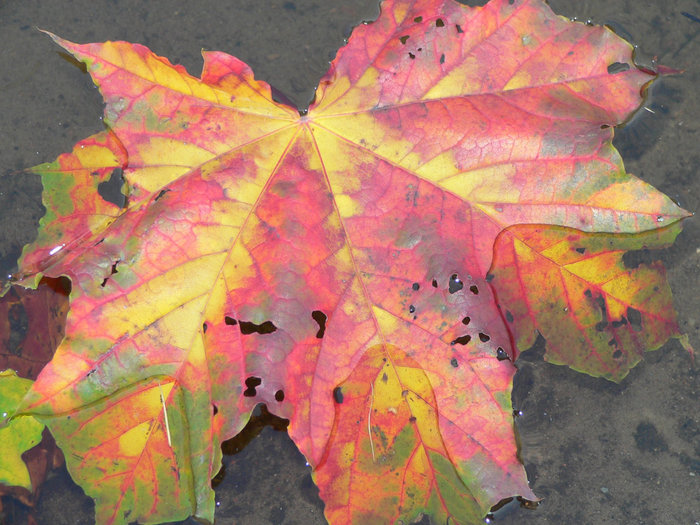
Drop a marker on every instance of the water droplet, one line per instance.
(56, 249)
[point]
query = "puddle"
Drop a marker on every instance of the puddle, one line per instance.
(595, 451)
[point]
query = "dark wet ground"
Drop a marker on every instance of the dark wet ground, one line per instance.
(597, 452)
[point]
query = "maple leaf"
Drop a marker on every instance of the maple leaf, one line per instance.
(335, 265)
(18, 435)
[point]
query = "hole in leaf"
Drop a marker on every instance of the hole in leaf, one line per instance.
(111, 190)
(617, 354)
(439, 23)
(434, 283)
(456, 283)
(454, 362)
(114, 270)
(484, 337)
(215, 409)
(248, 328)
(509, 316)
(602, 325)
(160, 195)
(411, 56)
(466, 320)
(635, 318)
(251, 383)
(412, 419)
(320, 318)
(459, 28)
(415, 287)
(230, 321)
(635, 258)
(618, 324)
(411, 309)
(204, 328)
(462, 340)
(588, 293)
(442, 58)
(618, 67)
(338, 395)
(489, 277)
(385, 377)
(279, 396)
(474, 289)
(404, 39)
(418, 19)
(581, 250)
(501, 354)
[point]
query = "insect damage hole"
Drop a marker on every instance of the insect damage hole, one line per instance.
(251, 383)
(635, 318)
(248, 327)
(455, 284)
(113, 271)
(160, 195)
(501, 354)
(230, 321)
(279, 396)
(338, 395)
(462, 340)
(618, 67)
(320, 318)
(111, 190)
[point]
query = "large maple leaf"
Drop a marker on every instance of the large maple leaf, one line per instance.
(335, 265)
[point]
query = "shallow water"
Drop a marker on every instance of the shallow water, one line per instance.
(596, 452)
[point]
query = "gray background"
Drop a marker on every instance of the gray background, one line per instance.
(597, 452)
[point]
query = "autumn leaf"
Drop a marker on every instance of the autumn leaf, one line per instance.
(16, 435)
(31, 324)
(598, 311)
(334, 264)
